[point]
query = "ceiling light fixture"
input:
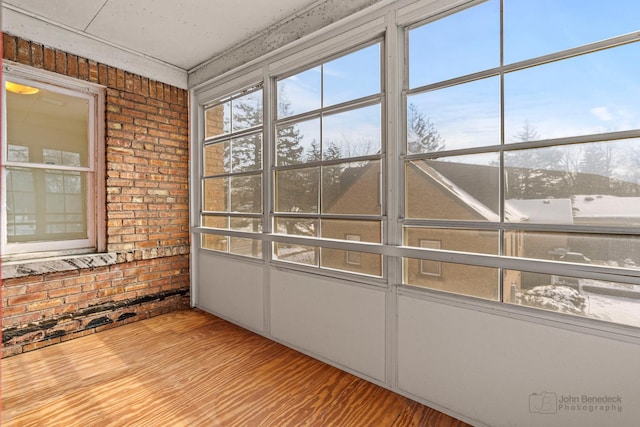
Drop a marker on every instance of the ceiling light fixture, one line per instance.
(20, 89)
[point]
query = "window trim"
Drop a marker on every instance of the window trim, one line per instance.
(96, 185)
(430, 244)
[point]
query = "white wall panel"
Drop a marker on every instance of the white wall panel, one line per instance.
(338, 321)
(232, 289)
(488, 367)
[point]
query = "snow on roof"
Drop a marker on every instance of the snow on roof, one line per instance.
(544, 211)
(598, 206)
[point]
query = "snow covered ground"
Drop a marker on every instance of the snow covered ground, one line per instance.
(613, 309)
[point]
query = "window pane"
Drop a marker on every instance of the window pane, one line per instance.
(216, 159)
(299, 93)
(597, 249)
(50, 127)
(249, 224)
(464, 116)
(45, 205)
(246, 193)
(455, 188)
(213, 241)
(589, 94)
(610, 301)
(563, 25)
(352, 134)
(247, 247)
(217, 120)
(352, 188)
(477, 241)
(460, 279)
(297, 254)
(298, 142)
(247, 111)
(354, 261)
(297, 190)
(246, 153)
(442, 50)
(352, 76)
(588, 184)
(215, 194)
(297, 226)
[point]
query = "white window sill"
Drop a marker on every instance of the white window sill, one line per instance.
(33, 267)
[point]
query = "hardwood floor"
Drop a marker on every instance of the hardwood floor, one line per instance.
(190, 368)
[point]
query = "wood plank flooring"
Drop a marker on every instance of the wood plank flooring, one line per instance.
(189, 368)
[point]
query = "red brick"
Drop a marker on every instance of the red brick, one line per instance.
(49, 59)
(37, 55)
(42, 305)
(24, 52)
(23, 299)
(9, 47)
(61, 62)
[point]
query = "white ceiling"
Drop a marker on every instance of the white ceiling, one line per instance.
(180, 42)
(183, 33)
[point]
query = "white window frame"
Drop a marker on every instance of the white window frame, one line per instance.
(95, 194)
(352, 257)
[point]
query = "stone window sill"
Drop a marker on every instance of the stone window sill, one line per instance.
(33, 267)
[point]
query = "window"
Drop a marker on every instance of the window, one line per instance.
(430, 268)
(52, 186)
(231, 178)
(530, 161)
(329, 152)
(352, 257)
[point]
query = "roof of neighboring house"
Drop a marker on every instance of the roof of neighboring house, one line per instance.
(468, 199)
(544, 211)
(602, 207)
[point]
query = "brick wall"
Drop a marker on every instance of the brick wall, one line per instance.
(147, 213)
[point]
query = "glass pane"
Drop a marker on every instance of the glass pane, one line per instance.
(215, 194)
(351, 229)
(352, 134)
(299, 93)
(352, 188)
(587, 184)
(246, 193)
(217, 120)
(462, 116)
(297, 190)
(597, 249)
(298, 142)
(354, 261)
(610, 301)
(477, 241)
(563, 25)
(589, 94)
(460, 279)
(213, 241)
(352, 76)
(249, 224)
(48, 128)
(297, 226)
(45, 205)
(246, 153)
(216, 159)
(247, 111)
(297, 254)
(442, 50)
(246, 247)
(454, 188)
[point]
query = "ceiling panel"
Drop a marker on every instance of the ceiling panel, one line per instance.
(183, 33)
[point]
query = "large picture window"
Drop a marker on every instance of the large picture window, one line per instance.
(50, 184)
(529, 144)
(329, 152)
